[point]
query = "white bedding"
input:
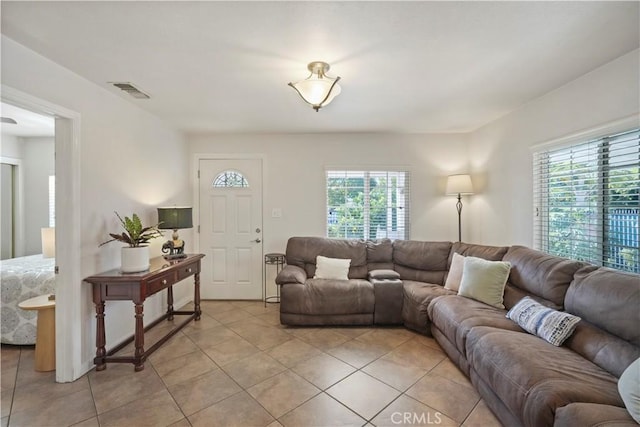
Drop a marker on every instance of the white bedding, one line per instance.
(21, 279)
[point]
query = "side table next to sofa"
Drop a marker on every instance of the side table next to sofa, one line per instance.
(45, 357)
(278, 260)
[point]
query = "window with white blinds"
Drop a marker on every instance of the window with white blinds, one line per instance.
(368, 204)
(586, 200)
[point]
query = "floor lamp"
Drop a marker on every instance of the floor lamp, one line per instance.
(459, 185)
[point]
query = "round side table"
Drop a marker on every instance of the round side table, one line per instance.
(45, 357)
(278, 260)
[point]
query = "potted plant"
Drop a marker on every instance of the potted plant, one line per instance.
(135, 257)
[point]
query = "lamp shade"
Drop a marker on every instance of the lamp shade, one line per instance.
(174, 218)
(459, 184)
(48, 242)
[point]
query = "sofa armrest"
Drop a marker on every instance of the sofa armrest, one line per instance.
(383, 274)
(291, 274)
(389, 299)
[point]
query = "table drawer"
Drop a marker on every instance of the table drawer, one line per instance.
(160, 283)
(188, 270)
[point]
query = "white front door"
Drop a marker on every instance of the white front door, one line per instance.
(231, 228)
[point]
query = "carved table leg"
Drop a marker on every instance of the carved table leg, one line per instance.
(139, 338)
(101, 352)
(170, 303)
(196, 296)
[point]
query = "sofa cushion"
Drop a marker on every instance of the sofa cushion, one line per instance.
(417, 296)
(421, 261)
(333, 297)
(455, 316)
(484, 280)
(490, 253)
(592, 415)
(608, 301)
(551, 325)
(302, 252)
(533, 378)
(379, 254)
(542, 275)
(332, 268)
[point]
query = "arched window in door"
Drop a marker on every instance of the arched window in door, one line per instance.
(230, 179)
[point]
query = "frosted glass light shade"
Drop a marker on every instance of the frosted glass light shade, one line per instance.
(459, 184)
(48, 236)
(314, 90)
(318, 89)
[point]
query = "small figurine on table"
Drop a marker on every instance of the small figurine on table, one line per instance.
(174, 249)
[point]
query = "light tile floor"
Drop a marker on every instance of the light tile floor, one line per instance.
(239, 367)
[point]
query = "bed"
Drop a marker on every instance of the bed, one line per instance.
(23, 278)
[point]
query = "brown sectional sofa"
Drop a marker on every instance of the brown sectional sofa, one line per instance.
(522, 378)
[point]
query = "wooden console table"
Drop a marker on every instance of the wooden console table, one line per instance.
(115, 285)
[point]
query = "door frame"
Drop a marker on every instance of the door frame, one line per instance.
(69, 324)
(196, 191)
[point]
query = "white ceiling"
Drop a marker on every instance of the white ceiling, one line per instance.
(405, 66)
(28, 124)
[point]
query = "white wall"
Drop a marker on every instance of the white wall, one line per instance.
(125, 155)
(500, 155)
(10, 146)
(294, 172)
(38, 163)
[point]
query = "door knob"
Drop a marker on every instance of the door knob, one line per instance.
(257, 240)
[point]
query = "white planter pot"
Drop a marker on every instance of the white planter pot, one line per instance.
(135, 259)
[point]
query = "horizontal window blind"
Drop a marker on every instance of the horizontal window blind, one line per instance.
(586, 199)
(368, 204)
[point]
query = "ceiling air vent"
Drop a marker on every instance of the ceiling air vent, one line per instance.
(131, 90)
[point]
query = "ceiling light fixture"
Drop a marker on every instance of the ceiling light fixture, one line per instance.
(318, 89)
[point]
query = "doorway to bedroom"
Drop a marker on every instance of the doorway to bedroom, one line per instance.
(70, 364)
(27, 192)
(27, 157)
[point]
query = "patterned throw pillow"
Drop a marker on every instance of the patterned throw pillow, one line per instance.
(551, 325)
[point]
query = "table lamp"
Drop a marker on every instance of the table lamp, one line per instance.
(48, 235)
(174, 218)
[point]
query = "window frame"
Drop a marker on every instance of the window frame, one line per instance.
(367, 176)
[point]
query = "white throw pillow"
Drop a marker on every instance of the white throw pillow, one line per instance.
(551, 325)
(629, 389)
(484, 280)
(332, 268)
(455, 272)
